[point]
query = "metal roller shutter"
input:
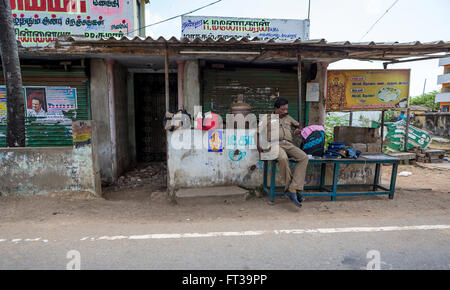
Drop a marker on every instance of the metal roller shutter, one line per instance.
(39, 134)
(259, 86)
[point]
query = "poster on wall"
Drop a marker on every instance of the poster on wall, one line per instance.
(3, 112)
(213, 27)
(60, 100)
(36, 102)
(312, 92)
(39, 22)
(215, 141)
(364, 90)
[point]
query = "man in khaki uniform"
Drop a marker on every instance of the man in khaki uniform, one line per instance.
(294, 183)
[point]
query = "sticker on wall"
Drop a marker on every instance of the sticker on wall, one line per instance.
(215, 141)
(3, 112)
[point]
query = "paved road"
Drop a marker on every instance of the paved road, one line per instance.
(240, 245)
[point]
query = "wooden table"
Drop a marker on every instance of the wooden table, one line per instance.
(334, 190)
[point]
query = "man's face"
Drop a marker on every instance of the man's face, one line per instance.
(36, 105)
(282, 111)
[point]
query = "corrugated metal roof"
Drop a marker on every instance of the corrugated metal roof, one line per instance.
(269, 48)
(255, 40)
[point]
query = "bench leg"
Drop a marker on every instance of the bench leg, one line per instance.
(265, 177)
(323, 168)
(335, 181)
(272, 181)
(377, 177)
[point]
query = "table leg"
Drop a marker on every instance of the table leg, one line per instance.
(393, 180)
(265, 177)
(377, 177)
(335, 181)
(272, 181)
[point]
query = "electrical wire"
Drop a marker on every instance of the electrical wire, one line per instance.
(379, 19)
(171, 18)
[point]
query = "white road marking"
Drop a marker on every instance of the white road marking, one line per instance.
(276, 232)
(249, 233)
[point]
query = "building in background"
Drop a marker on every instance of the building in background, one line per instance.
(39, 22)
(444, 97)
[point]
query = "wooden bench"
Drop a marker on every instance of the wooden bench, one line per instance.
(334, 190)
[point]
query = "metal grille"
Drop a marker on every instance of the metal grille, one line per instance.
(150, 111)
(260, 88)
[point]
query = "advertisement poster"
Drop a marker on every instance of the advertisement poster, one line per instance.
(215, 141)
(39, 22)
(204, 27)
(3, 113)
(365, 90)
(59, 100)
(36, 102)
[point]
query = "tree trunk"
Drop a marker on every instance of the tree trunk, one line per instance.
(15, 133)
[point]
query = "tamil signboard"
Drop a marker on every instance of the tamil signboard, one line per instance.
(204, 27)
(361, 90)
(39, 22)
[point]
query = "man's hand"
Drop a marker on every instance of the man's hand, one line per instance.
(298, 131)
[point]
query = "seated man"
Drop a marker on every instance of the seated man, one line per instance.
(294, 183)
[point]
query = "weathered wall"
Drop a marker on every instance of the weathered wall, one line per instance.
(100, 114)
(36, 171)
(437, 123)
(191, 168)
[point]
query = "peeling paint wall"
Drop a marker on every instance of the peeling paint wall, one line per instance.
(37, 171)
(193, 168)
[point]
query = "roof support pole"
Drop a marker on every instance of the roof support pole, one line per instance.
(180, 84)
(166, 67)
(301, 113)
(112, 116)
(323, 71)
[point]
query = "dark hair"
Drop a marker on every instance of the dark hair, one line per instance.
(281, 102)
(38, 99)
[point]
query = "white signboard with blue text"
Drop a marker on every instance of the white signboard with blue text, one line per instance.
(204, 27)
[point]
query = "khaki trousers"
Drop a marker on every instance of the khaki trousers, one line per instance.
(297, 180)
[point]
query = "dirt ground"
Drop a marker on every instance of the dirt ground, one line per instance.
(425, 192)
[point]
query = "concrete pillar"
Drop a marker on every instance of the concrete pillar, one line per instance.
(100, 114)
(180, 84)
(191, 84)
(112, 116)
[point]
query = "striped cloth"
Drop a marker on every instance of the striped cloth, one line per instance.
(308, 130)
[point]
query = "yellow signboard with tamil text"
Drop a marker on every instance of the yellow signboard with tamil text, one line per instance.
(364, 90)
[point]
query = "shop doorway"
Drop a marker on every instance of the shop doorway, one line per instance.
(150, 107)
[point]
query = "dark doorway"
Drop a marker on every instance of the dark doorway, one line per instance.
(149, 92)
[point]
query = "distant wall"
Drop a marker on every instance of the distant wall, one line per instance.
(437, 123)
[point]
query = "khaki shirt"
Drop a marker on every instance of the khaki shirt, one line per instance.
(285, 126)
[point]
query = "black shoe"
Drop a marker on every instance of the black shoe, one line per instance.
(300, 197)
(293, 197)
